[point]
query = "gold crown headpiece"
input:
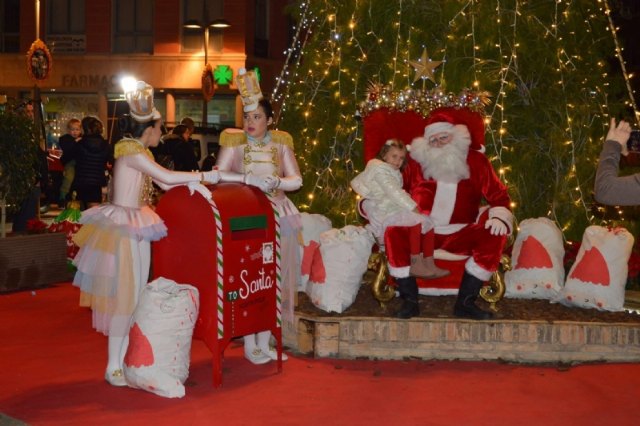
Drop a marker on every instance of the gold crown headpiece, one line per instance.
(140, 101)
(249, 89)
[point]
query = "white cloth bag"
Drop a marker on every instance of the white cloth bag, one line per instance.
(157, 359)
(313, 225)
(537, 261)
(345, 253)
(598, 277)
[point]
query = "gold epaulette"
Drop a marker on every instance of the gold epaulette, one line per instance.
(129, 147)
(282, 137)
(230, 138)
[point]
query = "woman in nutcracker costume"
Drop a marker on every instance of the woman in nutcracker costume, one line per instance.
(264, 158)
(452, 181)
(114, 257)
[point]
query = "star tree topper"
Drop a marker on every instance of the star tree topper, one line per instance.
(424, 67)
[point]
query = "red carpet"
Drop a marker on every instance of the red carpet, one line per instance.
(53, 362)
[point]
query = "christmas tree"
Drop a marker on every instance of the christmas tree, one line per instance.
(553, 69)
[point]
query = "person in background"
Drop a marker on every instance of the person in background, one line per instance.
(194, 143)
(178, 147)
(67, 144)
(114, 257)
(611, 189)
(91, 154)
(262, 158)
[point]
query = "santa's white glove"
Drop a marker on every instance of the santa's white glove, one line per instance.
(497, 226)
(262, 182)
(198, 187)
(212, 176)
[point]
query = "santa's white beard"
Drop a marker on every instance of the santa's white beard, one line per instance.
(448, 163)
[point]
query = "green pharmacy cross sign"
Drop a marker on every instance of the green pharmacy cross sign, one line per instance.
(222, 74)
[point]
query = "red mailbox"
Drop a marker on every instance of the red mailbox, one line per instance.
(229, 249)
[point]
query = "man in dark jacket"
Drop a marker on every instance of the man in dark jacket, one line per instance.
(178, 147)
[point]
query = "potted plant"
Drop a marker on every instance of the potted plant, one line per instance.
(37, 258)
(17, 162)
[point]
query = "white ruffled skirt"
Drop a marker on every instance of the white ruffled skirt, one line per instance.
(113, 260)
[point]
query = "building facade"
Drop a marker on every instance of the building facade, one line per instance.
(93, 44)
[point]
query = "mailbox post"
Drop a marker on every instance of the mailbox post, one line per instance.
(229, 249)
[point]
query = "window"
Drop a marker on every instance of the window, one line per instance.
(133, 28)
(66, 26)
(203, 12)
(221, 109)
(65, 16)
(10, 26)
(261, 41)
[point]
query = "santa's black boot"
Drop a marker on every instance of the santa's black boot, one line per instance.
(465, 306)
(408, 288)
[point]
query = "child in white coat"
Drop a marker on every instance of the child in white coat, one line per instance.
(387, 204)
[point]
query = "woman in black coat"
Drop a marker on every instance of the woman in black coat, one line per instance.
(91, 154)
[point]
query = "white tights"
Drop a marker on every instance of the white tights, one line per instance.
(141, 259)
(260, 340)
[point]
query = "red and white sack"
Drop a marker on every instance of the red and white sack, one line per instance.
(537, 261)
(157, 359)
(598, 277)
(312, 226)
(344, 256)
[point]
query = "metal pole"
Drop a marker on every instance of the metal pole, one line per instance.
(37, 19)
(206, 61)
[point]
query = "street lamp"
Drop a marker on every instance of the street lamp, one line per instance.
(216, 24)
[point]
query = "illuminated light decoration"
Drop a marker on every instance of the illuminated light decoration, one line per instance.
(545, 64)
(424, 67)
(223, 74)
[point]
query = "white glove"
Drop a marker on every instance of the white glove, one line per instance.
(273, 182)
(497, 226)
(212, 176)
(198, 187)
(262, 182)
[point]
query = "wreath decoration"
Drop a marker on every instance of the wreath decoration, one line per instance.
(39, 61)
(208, 83)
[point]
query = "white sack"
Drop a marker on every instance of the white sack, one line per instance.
(344, 254)
(537, 261)
(598, 277)
(157, 359)
(312, 226)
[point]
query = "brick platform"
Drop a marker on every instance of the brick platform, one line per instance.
(451, 339)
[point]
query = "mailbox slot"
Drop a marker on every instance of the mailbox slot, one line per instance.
(248, 227)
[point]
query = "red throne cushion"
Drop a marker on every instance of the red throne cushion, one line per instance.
(384, 124)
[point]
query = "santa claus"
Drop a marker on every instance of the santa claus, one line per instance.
(454, 183)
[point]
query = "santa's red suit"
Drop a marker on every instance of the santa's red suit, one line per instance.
(455, 207)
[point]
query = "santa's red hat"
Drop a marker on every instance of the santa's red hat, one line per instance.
(473, 120)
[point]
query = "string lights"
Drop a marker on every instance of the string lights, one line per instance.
(544, 63)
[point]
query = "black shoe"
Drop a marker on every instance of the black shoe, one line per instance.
(465, 306)
(408, 289)
(468, 309)
(409, 309)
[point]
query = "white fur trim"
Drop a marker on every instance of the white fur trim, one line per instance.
(476, 270)
(435, 128)
(443, 203)
(503, 214)
(434, 291)
(449, 229)
(401, 272)
(446, 255)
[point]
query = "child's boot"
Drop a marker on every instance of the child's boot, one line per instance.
(434, 271)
